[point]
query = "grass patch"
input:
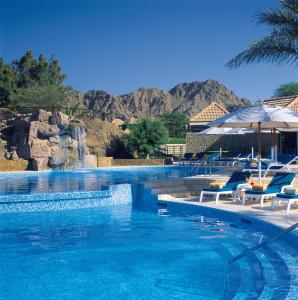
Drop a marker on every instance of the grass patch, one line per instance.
(176, 140)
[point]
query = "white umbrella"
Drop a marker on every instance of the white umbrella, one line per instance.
(258, 116)
(215, 130)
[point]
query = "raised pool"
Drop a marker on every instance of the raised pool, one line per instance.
(140, 250)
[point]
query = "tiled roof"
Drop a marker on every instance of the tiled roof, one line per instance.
(212, 112)
(290, 102)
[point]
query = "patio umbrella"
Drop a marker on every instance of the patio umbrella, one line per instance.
(258, 116)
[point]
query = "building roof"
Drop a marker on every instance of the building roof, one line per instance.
(290, 102)
(118, 122)
(212, 112)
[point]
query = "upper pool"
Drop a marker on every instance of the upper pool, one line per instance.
(87, 179)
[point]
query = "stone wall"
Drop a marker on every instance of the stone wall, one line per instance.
(138, 162)
(196, 143)
(104, 161)
(13, 165)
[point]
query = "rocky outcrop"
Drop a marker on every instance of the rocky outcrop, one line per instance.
(195, 96)
(189, 98)
(46, 140)
(100, 136)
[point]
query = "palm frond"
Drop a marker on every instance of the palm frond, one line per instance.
(269, 49)
(277, 17)
(281, 45)
(292, 5)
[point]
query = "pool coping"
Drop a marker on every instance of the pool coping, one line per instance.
(277, 219)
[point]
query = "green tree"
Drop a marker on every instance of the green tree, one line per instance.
(24, 68)
(281, 45)
(145, 136)
(287, 89)
(33, 72)
(46, 96)
(175, 122)
(8, 82)
(29, 73)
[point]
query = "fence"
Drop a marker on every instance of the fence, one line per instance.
(174, 149)
(71, 111)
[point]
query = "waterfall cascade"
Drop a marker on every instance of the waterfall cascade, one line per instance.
(79, 134)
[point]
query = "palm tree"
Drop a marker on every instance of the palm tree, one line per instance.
(281, 45)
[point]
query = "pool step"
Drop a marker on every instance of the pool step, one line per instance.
(269, 271)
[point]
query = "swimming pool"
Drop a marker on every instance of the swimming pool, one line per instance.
(138, 250)
(121, 253)
(87, 179)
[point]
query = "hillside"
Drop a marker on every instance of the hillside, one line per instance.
(189, 98)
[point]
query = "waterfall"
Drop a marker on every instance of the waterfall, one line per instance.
(79, 134)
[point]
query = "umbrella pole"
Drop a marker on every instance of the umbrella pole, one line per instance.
(220, 146)
(260, 153)
(272, 145)
(275, 144)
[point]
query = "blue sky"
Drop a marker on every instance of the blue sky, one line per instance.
(121, 45)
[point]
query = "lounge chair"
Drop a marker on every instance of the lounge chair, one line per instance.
(187, 158)
(278, 184)
(283, 162)
(243, 156)
(233, 160)
(283, 197)
(236, 179)
(207, 159)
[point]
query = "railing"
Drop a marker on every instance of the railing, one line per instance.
(73, 111)
(262, 244)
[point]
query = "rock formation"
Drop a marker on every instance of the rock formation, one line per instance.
(47, 140)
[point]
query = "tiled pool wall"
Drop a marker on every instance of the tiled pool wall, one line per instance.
(108, 196)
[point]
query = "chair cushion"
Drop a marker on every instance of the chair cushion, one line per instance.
(287, 196)
(259, 192)
(223, 189)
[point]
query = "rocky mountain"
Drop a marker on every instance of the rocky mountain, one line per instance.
(189, 98)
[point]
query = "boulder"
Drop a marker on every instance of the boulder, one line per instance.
(91, 161)
(59, 118)
(41, 116)
(24, 151)
(42, 130)
(20, 133)
(39, 164)
(57, 159)
(40, 149)
(54, 140)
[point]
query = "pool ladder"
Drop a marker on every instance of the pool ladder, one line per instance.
(207, 167)
(262, 244)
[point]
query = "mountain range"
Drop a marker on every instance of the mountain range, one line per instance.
(188, 98)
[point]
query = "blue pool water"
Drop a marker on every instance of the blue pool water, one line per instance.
(122, 253)
(86, 179)
(133, 249)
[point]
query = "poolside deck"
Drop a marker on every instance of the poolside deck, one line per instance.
(277, 217)
(187, 191)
